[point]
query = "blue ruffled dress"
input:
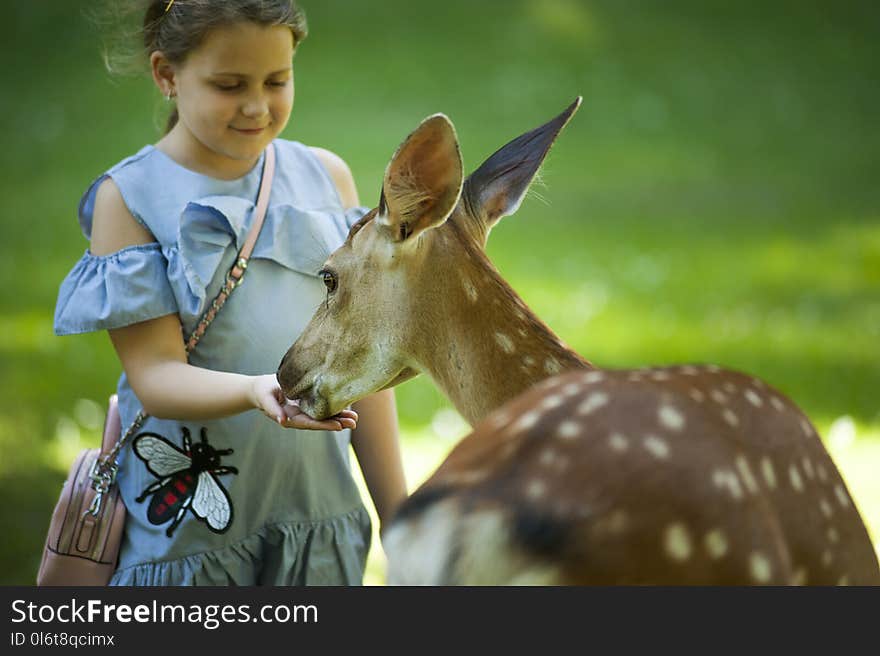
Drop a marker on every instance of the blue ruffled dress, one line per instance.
(295, 515)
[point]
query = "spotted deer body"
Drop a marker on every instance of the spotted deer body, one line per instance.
(572, 475)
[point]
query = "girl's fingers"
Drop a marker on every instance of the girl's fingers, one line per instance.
(305, 422)
(296, 418)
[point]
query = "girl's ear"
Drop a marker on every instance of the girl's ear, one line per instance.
(163, 73)
(423, 180)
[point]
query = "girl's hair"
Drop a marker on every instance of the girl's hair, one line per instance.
(183, 27)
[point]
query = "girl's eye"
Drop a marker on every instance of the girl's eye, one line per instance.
(236, 87)
(329, 279)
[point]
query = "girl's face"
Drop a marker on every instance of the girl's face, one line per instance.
(235, 91)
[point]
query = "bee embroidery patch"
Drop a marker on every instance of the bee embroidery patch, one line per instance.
(187, 479)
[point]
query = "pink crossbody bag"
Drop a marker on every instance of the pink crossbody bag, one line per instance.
(85, 532)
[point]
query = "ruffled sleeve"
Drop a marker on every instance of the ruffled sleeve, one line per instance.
(115, 290)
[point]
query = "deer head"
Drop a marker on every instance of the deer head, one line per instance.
(411, 264)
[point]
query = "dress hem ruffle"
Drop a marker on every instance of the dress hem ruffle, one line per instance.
(330, 551)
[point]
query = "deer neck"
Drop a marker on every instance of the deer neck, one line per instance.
(483, 345)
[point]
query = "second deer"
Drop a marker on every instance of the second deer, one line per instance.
(572, 474)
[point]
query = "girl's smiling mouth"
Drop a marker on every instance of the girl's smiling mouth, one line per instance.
(254, 131)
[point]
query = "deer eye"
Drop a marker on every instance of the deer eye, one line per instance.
(329, 279)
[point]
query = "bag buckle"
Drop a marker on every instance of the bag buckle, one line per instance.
(102, 475)
(233, 280)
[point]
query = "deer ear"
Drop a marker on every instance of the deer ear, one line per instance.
(423, 181)
(497, 188)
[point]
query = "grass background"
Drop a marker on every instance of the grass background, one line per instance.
(714, 200)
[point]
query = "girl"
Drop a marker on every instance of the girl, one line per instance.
(165, 226)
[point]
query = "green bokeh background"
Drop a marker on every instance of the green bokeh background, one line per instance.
(714, 200)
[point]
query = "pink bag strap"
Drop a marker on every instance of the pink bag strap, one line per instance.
(234, 278)
(236, 273)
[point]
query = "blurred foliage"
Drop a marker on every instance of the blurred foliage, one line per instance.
(714, 200)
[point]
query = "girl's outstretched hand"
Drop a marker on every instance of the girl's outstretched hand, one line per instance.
(267, 397)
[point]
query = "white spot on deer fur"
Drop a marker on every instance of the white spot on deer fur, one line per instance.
(547, 457)
(498, 420)
(689, 370)
(617, 522)
(592, 403)
(753, 398)
(714, 368)
(843, 580)
(610, 525)
(799, 577)
(536, 489)
(551, 366)
(571, 389)
(656, 447)
(671, 418)
(795, 477)
(552, 401)
(593, 377)
(660, 375)
(746, 473)
(759, 567)
(729, 387)
(841, 495)
(536, 575)
(727, 480)
(505, 343)
(827, 557)
(470, 290)
(568, 430)
(805, 425)
(716, 544)
(618, 442)
(677, 542)
(522, 332)
(730, 417)
(528, 362)
(808, 467)
(635, 376)
(777, 403)
(697, 395)
(823, 474)
(467, 477)
(527, 421)
(757, 382)
(769, 473)
(718, 396)
(833, 535)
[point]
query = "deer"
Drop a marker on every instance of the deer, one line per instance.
(573, 474)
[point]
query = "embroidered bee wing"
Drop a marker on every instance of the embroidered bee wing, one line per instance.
(211, 502)
(161, 456)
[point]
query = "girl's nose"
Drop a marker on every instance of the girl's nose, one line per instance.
(255, 107)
